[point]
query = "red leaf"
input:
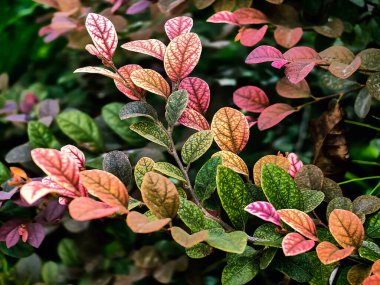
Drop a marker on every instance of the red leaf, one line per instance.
(328, 253)
(182, 55)
(246, 16)
(287, 37)
(194, 120)
(302, 55)
(199, 93)
(76, 154)
(250, 37)
(343, 70)
(274, 114)
(296, 72)
(127, 87)
(287, 89)
(294, 244)
(150, 47)
(103, 34)
(264, 54)
(226, 17)
(84, 209)
(178, 26)
(251, 98)
(265, 211)
(300, 222)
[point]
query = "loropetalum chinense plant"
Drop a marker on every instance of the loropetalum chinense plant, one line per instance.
(211, 212)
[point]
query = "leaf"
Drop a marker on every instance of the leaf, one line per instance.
(300, 222)
(196, 146)
(267, 257)
(226, 17)
(186, 240)
(296, 72)
(103, 34)
(263, 54)
(68, 252)
(198, 251)
(363, 103)
(246, 16)
(366, 204)
(233, 161)
(160, 195)
(144, 165)
(274, 114)
(49, 272)
(175, 106)
(309, 177)
(372, 280)
(234, 242)
(370, 250)
(152, 81)
(311, 199)
(372, 85)
(133, 203)
(194, 120)
(151, 131)
(329, 253)
(268, 235)
(199, 93)
(150, 47)
(264, 211)
(117, 163)
(287, 37)
(107, 187)
(205, 181)
(223, 5)
(346, 228)
(41, 136)
(84, 209)
(338, 203)
(343, 70)
(98, 70)
(251, 98)
(331, 189)
(279, 160)
(182, 55)
(287, 89)
(331, 82)
(250, 37)
(302, 54)
(178, 26)
(337, 54)
(358, 273)
(138, 109)
(233, 195)
(294, 244)
(5, 175)
(231, 130)
(126, 85)
(370, 59)
(279, 188)
(169, 170)
(141, 224)
(35, 190)
(81, 128)
(373, 226)
(332, 29)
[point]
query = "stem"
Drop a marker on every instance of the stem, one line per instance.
(358, 179)
(362, 125)
(373, 191)
(366, 162)
(319, 220)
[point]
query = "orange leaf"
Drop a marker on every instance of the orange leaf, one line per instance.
(186, 240)
(372, 280)
(60, 167)
(84, 209)
(299, 221)
(141, 224)
(231, 130)
(287, 89)
(329, 253)
(107, 187)
(152, 81)
(150, 47)
(346, 228)
(294, 244)
(233, 161)
(279, 160)
(178, 26)
(376, 268)
(182, 55)
(194, 120)
(287, 37)
(126, 85)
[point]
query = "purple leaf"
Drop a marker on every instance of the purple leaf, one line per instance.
(138, 7)
(9, 107)
(48, 108)
(53, 213)
(36, 234)
(7, 195)
(265, 211)
(20, 118)
(8, 226)
(12, 238)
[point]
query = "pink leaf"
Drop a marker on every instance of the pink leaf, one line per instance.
(343, 70)
(274, 114)
(178, 26)
(194, 120)
(76, 154)
(199, 93)
(92, 50)
(295, 164)
(250, 37)
(287, 37)
(103, 34)
(138, 7)
(264, 211)
(264, 54)
(251, 121)
(279, 63)
(251, 98)
(296, 72)
(150, 47)
(287, 89)
(84, 209)
(226, 17)
(128, 88)
(98, 70)
(302, 54)
(246, 16)
(294, 244)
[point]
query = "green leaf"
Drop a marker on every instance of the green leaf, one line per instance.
(110, 114)
(4, 173)
(41, 136)
(234, 242)
(338, 203)
(50, 272)
(369, 250)
(144, 165)
(133, 203)
(152, 131)
(21, 249)
(81, 128)
(198, 251)
(175, 105)
(117, 163)
(372, 84)
(372, 227)
(241, 268)
(169, 170)
(196, 146)
(279, 188)
(363, 103)
(234, 195)
(68, 252)
(321, 272)
(268, 235)
(267, 257)
(311, 199)
(138, 109)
